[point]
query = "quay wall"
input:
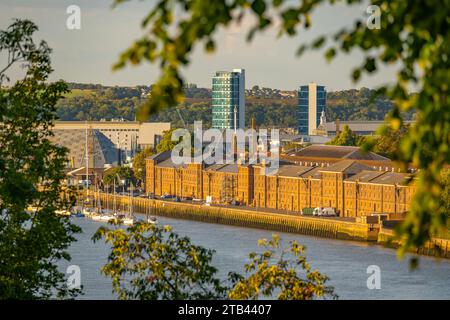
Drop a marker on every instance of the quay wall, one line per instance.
(434, 247)
(327, 228)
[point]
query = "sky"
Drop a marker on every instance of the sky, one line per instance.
(87, 55)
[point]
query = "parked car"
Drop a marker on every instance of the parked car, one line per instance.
(186, 198)
(307, 211)
(176, 199)
(166, 196)
(136, 193)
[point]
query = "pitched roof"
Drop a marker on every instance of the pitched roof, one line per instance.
(168, 163)
(343, 152)
(292, 170)
(160, 156)
(380, 177)
(103, 150)
(313, 173)
(347, 166)
(365, 176)
(230, 168)
(392, 178)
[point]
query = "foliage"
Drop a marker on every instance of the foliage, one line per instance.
(166, 143)
(346, 138)
(31, 174)
(362, 104)
(445, 195)
(152, 262)
(272, 273)
(94, 105)
(88, 101)
(116, 174)
(388, 143)
(139, 163)
(413, 35)
(148, 262)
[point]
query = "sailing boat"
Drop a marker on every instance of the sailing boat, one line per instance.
(85, 209)
(77, 211)
(150, 219)
(117, 215)
(129, 219)
(98, 214)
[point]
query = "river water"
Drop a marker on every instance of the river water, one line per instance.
(344, 262)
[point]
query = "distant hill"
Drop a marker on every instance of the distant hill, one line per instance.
(270, 107)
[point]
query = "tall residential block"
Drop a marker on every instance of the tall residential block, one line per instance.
(312, 100)
(228, 99)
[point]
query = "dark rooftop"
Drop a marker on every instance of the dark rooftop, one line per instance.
(342, 152)
(347, 166)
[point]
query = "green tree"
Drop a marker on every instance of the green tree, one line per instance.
(151, 262)
(139, 163)
(346, 138)
(388, 143)
(271, 273)
(91, 102)
(31, 174)
(116, 174)
(412, 35)
(166, 143)
(445, 196)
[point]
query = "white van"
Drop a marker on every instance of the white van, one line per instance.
(324, 212)
(328, 212)
(317, 211)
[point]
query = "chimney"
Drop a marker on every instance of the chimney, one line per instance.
(235, 150)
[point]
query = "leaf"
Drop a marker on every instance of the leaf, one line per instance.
(330, 54)
(318, 43)
(258, 6)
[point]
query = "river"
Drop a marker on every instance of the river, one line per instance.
(344, 262)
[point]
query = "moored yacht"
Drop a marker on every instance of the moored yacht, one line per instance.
(62, 212)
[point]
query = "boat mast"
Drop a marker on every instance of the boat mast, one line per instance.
(130, 207)
(99, 201)
(87, 162)
(114, 195)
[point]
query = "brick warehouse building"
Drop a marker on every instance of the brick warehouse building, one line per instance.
(352, 186)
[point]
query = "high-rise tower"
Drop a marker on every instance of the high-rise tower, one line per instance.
(312, 100)
(228, 93)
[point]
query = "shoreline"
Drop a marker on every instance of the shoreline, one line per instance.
(312, 226)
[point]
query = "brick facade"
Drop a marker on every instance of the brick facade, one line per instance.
(352, 188)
